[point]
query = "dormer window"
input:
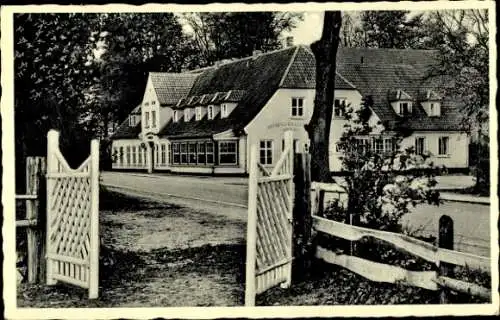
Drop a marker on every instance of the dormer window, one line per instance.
(198, 113)
(434, 109)
(210, 112)
(223, 112)
(431, 102)
(176, 116)
(187, 114)
(405, 108)
(132, 121)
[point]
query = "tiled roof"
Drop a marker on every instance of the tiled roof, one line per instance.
(428, 95)
(170, 87)
(302, 73)
(252, 81)
(396, 95)
(376, 80)
(258, 76)
(125, 131)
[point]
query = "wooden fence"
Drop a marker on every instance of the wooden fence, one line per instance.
(270, 223)
(441, 256)
(34, 223)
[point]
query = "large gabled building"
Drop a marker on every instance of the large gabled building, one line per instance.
(204, 121)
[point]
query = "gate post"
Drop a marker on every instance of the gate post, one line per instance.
(291, 199)
(94, 221)
(251, 230)
(35, 176)
(52, 146)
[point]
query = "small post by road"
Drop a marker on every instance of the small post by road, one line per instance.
(446, 242)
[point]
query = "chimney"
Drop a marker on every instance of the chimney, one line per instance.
(289, 42)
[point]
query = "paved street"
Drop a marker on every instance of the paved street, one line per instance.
(227, 196)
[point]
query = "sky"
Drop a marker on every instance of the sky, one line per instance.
(308, 30)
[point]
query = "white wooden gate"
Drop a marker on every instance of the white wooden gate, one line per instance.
(270, 223)
(72, 218)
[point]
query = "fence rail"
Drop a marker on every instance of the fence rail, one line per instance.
(380, 272)
(415, 246)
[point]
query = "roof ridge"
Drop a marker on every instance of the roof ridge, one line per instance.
(285, 74)
(243, 59)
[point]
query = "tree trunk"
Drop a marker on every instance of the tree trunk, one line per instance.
(318, 129)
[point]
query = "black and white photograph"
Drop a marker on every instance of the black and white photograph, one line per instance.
(202, 157)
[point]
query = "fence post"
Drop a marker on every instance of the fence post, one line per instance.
(250, 289)
(35, 179)
(302, 213)
(446, 242)
(94, 221)
(52, 147)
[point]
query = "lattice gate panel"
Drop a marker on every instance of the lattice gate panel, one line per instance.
(269, 237)
(72, 218)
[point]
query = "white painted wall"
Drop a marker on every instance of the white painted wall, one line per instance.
(276, 118)
(150, 103)
(458, 156)
(124, 164)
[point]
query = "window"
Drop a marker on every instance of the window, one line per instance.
(176, 115)
(184, 153)
(134, 155)
(139, 155)
(157, 154)
(378, 145)
(198, 113)
(187, 114)
(228, 152)
(419, 145)
(201, 153)
(192, 153)
(163, 154)
(146, 120)
(223, 112)
(210, 152)
(363, 144)
(297, 107)
(169, 159)
(266, 152)
(404, 108)
(389, 145)
(127, 154)
(153, 102)
(153, 119)
(176, 158)
(120, 155)
(339, 108)
(132, 121)
(434, 109)
(210, 112)
(443, 145)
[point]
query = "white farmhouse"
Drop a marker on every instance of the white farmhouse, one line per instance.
(204, 121)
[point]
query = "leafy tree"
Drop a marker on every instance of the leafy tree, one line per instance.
(318, 129)
(131, 45)
(392, 29)
(461, 37)
(351, 32)
(381, 187)
(224, 35)
(53, 67)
